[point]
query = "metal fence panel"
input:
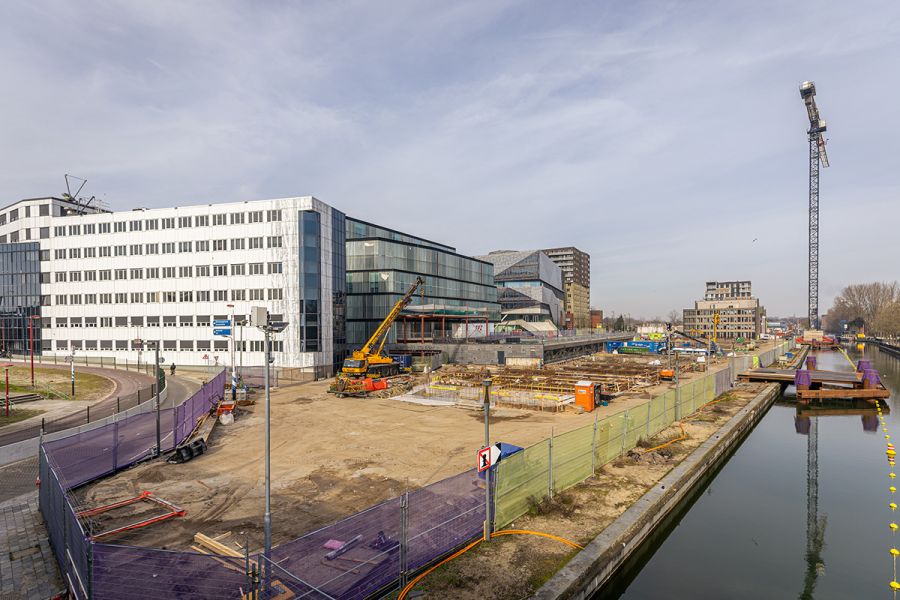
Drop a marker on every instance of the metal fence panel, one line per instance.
(520, 478)
(572, 460)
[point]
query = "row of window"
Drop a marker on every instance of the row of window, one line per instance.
(271, 268)
(152, 297)
(151, 321)
(235, 218)
(43, 211)
(171, 345)
(253, 243)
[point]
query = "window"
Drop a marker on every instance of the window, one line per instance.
(274, 241)
(44, 233)
(169, 296)
(44, 211)
(137, 249)
(201, 221)
(89, 229)
(203, 321)
(221, 345)
(169, 322)
(203, 296)
(59, 253)
(105, 321)
(121, 298)
(74, 298)
(119, 227)
(62, 322)
(90, 299)
(152, 321)
(103, 228)
(185, 296)
(74, 252)
(275, 293)
(237, 269)
(59, 231)
(202, 270)
(237, 218)
(62, 299)
(220, 295)
(135, 225)
(152, 297)
(121, 322)
(74, 275)
(274, 267)
(255, 216)
(104, 251)
(90, 252)
(74, 229)
(168, 272)
(45, 277)
(256, 268)
(120, 250)
(121, 273)
(238, 295)
(273, 215)
(90, 275)
(168, 223)
(219, 270)
(202, 245)
(62, 344)
(153, 273)
(168, 248)
(185, 271)
(105, 298)
(237, 244)
(256, 242)
(105, 275)
(152, 248)
(61, 276)
(186, 345)
(75, 321)
(202, 345)
(184, 222)
(219, 219)
(137, 273)
(220, 245)
(44, 256)
(256, 295)
(185, 246)
(152, 224)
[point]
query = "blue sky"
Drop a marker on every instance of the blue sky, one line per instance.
(661, 137)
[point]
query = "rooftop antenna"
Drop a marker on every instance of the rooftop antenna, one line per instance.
(82, 204)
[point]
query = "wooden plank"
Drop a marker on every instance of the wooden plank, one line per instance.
(845, 393)
(216, 546)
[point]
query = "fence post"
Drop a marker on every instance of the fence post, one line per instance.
(404, 537)
(649, 409)
(550, 465)
(624, 431)
(677, 392)
(88, 413)
(594, 445)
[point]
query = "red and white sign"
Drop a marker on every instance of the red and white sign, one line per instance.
(205, 357)
(488, 457)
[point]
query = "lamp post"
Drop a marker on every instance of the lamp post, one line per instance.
(155, 346)
(72, 363)
(487, 473)
(7, 388)
(260, 319)
(31, 344)
(233, 369)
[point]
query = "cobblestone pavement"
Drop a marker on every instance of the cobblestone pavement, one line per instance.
(18, 478)
(27, 566)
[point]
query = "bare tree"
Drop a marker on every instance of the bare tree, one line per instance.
(863, 301)
(675, 316)
(887, 320)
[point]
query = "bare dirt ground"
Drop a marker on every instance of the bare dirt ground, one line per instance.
(514, 567)
(331, 457)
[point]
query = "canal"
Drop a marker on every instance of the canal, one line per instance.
(745, 533)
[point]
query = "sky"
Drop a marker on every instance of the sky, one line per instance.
(666, 139)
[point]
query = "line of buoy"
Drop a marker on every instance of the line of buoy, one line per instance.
(891, 452)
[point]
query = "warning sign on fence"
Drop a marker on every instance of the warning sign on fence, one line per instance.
(488, 457)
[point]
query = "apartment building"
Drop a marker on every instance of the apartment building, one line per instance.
(529, 287)
(740, 314)
(576, 271)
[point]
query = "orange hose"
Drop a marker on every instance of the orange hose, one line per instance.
(684, 436)
(422, 575)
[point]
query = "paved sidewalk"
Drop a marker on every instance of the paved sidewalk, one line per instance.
(27, 566)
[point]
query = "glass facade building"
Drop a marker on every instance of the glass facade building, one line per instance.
(383, 264)
(20, 297)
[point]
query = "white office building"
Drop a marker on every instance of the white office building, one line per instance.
(95, 281)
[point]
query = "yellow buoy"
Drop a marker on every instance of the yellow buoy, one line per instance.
(895, 552)
(895, 586)
(893, 527)
(892, 506)
(892, 475)
(892, 489)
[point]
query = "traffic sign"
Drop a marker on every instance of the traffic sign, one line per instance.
(222, 323)
(488, 457)
(222, 331)
(205, 357)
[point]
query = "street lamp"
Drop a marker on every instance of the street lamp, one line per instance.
(31, 343)
(155, 346)
(259, 317)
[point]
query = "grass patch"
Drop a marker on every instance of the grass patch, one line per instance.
(17, 414)
(57, 383)
(562, 504)
(546, 567)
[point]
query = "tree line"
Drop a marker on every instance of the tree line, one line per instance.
(872, 306)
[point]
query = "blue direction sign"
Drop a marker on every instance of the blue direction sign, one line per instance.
(222, 323)
(223, 331)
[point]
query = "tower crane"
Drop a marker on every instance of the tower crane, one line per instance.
(817, 155)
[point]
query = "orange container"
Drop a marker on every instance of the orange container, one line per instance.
(584, 395)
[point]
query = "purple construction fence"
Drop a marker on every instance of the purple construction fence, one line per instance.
(387, 541)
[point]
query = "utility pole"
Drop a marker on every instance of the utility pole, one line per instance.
(156, 376)
(487, 473)
(73, 373)
(233, 366)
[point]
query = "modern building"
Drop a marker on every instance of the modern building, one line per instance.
(102, 280)
(457, 300)
(576, 271)
(596, 318)
(529, 288)
(740, 314)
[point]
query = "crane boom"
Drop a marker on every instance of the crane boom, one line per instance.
(368, 360)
